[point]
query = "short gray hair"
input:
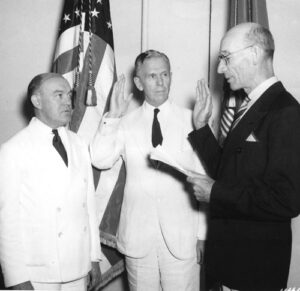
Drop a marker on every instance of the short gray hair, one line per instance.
(37, 82)
(148, 55)
(262, 37)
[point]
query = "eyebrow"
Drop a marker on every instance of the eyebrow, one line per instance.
(57, 91)
(161, 72)
(223, 52)
(61, 91)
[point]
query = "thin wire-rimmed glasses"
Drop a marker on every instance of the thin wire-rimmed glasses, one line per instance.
(226, 58)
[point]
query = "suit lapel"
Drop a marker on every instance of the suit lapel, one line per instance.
(252, 117)
(140, 131)
(171, 129)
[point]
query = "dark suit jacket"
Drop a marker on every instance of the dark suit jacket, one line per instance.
(256, 193)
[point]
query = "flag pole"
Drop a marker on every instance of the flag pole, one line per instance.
(144, 25)
(209, 43)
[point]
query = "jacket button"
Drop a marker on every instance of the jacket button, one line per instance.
(239, 150)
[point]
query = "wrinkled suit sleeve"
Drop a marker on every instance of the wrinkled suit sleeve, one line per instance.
(108, 144)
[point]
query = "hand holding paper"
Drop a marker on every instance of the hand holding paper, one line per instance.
(159, 154)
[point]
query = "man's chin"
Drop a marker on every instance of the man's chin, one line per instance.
(66, 120)
(234, 87)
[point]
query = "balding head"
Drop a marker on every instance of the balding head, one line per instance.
(36, 83)
(250, 33)
(246, 56)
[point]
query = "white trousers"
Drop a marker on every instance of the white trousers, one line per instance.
(160, 270)
(76, 285)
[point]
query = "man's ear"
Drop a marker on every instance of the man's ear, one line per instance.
(36, 101)
(257, 54)
(138, 83)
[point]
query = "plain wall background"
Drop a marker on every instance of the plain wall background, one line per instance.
(28, 30)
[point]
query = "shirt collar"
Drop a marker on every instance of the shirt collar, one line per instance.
(43, 128)
(163, 108)
(261, 88)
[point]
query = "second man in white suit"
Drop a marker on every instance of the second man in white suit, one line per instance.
(49, 237)
(160, 221)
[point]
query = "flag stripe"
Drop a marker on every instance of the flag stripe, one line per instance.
(66, 62)
(110, 222)
(80, 106)
(99, 57)
(103, 85)
(67, 41)
(116, 266)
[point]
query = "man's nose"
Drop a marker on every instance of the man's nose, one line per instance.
(159, 81)
(221, 67)
(68, 99)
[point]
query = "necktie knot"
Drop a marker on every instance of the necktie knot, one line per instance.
(56, 135)
(246, 101)
(59, 146)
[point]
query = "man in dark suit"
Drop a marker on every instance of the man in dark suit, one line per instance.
(253, 187)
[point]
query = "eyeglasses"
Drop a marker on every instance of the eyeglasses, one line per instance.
(226, 58)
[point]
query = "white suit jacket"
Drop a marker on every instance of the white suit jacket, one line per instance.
(152, 196)
(48, 229)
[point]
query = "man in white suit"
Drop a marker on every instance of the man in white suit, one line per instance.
(49, 238)
(160, 221)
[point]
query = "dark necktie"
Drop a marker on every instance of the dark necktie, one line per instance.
(156, 131)
(57, 143)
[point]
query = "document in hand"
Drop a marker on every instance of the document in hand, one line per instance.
(159, 154)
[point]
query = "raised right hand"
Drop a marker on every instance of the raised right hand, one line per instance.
(118, 102)
(203, 106)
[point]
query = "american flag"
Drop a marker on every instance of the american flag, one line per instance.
(84, 55)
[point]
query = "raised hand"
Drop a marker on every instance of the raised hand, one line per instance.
(203, 106)
(119, 102)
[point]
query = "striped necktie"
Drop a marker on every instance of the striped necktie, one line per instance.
(240, 111)
(227, 119)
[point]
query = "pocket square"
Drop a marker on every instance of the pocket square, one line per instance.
(252, 138)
